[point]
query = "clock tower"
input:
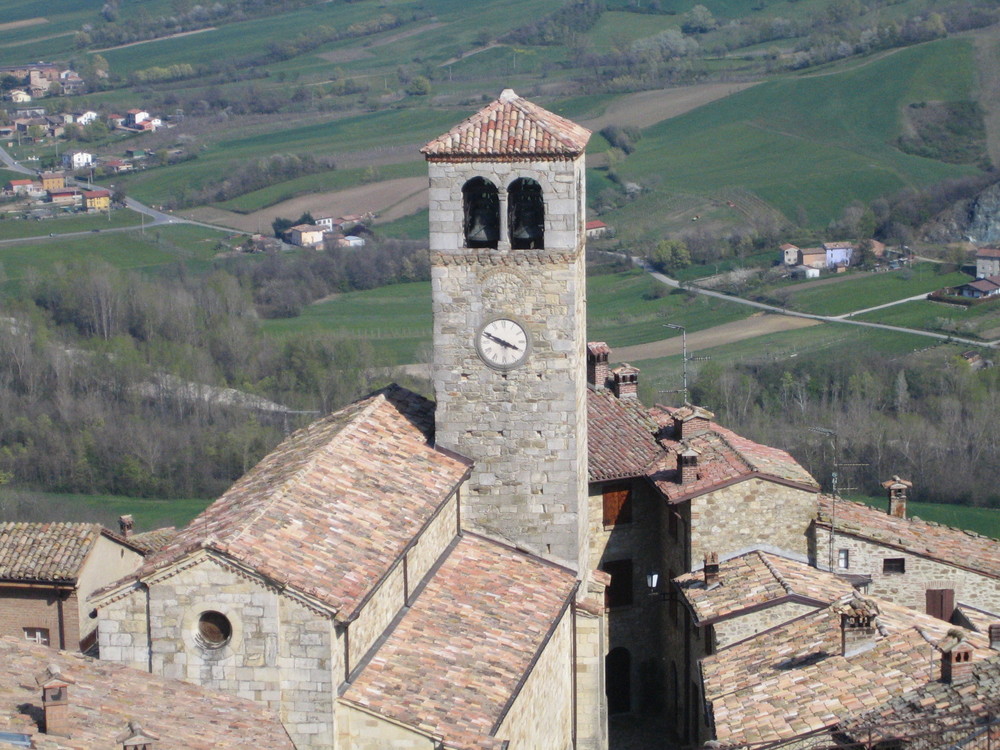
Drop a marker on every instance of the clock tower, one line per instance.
(507, 255)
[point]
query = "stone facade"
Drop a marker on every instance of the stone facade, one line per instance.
(280, 653)
(524, 427)
(748, 514)
(920, 573)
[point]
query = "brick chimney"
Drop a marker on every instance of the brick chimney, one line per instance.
(857, 625)
(711, 569)
(55, 701)
(625, 381)
(690, 421)
(136, 738)
(597, 364)
(897, 488)
(956, 658)
(125, 525)
(995, 636)
(687, 464)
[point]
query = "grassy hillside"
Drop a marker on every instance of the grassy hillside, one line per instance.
(808, 146)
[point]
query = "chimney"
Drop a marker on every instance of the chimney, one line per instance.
(956, 658)
(857, 626)
(597, 364)
(136, 738)
(690, 421)
(897, 495)
(995, 636)
(687, 465)
(625, 381)
(711, 569)
(125, 524)
(55, 703)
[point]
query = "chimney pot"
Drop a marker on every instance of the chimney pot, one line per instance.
(956, 661)
(711, 569)
(597, 364)
(857, 626)
(690, 421)
(55, 701)
(625, 381)
(125, 525)
(897, 489)
(687, 465)
(995, 636)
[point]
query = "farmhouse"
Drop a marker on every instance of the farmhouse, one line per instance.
(987, 262)
(988, 286)
(306, 235)
(596, 229)
(74, 160)
(53, 181)
(97, 200)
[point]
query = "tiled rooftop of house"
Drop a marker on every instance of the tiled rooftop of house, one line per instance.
(104, 697)
(620, 437)
(150, 541)
(51, 552)
(459, 653)
(332, 508)
(988, 252)
(758, 578)
(964, 549)
(937, 714)
(975, 618)
(724, 457)
(510, 126)
(792, 680)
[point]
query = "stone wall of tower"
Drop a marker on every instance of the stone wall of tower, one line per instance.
(525, 428)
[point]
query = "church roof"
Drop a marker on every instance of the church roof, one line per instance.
(510, 126)
(620, 437)
(104, 697)
(48, 552)
(964, 549)
(792, 680)
(756, 579)
(332, 508)
(461, 651)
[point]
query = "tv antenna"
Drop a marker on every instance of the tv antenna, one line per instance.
(684, 360)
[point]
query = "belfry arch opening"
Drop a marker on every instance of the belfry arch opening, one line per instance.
(526, 214)
(481, 208)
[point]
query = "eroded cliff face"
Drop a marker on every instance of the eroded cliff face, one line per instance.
(984, 216)
(976, 219)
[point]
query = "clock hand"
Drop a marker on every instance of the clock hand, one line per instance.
(498, 340)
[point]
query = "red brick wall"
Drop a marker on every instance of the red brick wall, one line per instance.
(39, 608)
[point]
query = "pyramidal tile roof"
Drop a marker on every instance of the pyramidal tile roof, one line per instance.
(510, 126)
(329, 511)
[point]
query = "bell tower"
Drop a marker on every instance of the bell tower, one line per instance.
(507, 255)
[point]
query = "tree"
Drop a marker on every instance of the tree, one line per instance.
(418, 86)
(670, 255)
(281, 225)
(699, 20)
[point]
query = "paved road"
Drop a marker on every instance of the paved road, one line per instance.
(843, 319)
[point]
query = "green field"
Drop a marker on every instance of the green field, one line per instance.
(157, 247)
(979, 320)
(809, 145)
(623, 310)
(985, 521)
(862, 290)
(21, 228)
(105, 509)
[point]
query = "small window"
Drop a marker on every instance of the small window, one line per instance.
(619, 593)
(214, 629)
(893, 565)
(617, 504)
(844, 559)
(37, 635)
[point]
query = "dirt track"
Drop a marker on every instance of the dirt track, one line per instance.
(647, 108)
(22, 23)
(727, 333)
(390, 199)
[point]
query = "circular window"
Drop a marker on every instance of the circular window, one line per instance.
(214, 629)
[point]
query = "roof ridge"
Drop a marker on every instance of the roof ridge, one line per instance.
(774, 571)
(746, 462)
(306, 467)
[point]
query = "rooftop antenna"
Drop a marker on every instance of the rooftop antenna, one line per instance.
(835, 487)
(684, 360)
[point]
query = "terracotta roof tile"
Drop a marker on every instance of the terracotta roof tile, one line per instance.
(331, 508)
(52, 552)
(620, 437)
(792, 679)
(461, 650)
(510, 126)
(757, 578)
(964, 549)
(151, 541)
(988, 252)
(105, 696)
(978, 619)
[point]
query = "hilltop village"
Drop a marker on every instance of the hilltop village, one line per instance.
(516, 564)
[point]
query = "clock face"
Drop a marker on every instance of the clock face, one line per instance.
(503, 343)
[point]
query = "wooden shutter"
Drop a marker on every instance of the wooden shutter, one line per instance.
(940, 603)
(617, 504)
